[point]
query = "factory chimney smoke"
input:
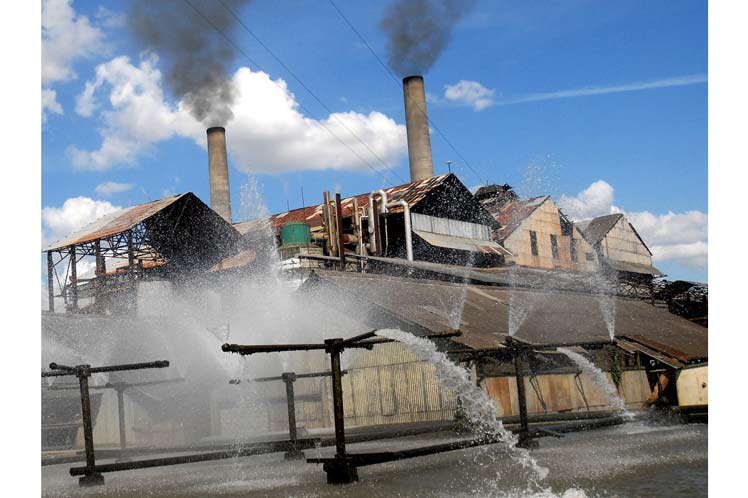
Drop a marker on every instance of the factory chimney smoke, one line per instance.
(218, 168)
(418, 31)
(190, 40)
(417, 125)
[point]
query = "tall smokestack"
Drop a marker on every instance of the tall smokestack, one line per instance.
(417, 124)
(218, 168)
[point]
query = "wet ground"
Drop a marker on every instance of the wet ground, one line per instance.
(638, 459)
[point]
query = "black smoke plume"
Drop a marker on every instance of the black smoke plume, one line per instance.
(419, 30)
(197, 57)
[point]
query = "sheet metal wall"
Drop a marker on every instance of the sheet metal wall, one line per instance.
(544, 221)
(622, 244)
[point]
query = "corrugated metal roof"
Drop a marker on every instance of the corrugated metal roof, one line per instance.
(514, 275)
(514, 213)
(596, 229)
(632, 267)
(114, 223)
(485, 312)
(461, 243)
(412, 193)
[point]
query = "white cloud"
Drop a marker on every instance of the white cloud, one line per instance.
(679, 237)
(49, 103)
(470, 93)
(636, 86)
(268, 132)
(109, 188)
(110, 18)
(674, 236)
(66, 37)
(595, 200)
(75, 213)
(136, 118)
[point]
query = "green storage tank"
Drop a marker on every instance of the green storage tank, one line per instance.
(295, 233)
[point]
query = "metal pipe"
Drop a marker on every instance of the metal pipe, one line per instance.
(327, 218)
(280, 377)
(90, 474)
(56, 366)
(121, 414)
(334, 348)
(356, 338)
(408, 231)
(254, 449)
(357, 227)
(131, 366)
(373, 224)
(268, 348)
(339, 228)
(289, 378)
(521, 399)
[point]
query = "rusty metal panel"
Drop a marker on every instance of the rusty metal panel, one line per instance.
(114, 223)
(412, 193)
(461, 243)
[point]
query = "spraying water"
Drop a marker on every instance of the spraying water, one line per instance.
(479, 409)
(605, 295)
(600, 378)
(455, 314)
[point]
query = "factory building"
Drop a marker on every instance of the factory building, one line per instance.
(427, 256)
(622, 253)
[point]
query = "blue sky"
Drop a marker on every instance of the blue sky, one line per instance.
(624, 100)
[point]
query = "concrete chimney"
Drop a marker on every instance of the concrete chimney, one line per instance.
(218, 168)
(417, 124)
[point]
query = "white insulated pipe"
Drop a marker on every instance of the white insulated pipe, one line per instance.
(408, 232)
(383, 209)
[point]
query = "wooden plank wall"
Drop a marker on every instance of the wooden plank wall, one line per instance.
(564, 392)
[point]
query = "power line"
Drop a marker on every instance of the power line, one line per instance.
(398, 82)
(278, 59)
(303, 108)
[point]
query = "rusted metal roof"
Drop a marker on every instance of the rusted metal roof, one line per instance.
(512, 214)
(412, 193)
(114, 223)
(181, 229)
(596, 229)
(483, 313)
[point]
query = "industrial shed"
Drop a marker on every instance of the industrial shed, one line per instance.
(649, 340)
(170, 238)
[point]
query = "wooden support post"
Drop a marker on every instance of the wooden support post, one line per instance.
(90, 477)
(73, 279)
(50, 282)
(339, 231)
